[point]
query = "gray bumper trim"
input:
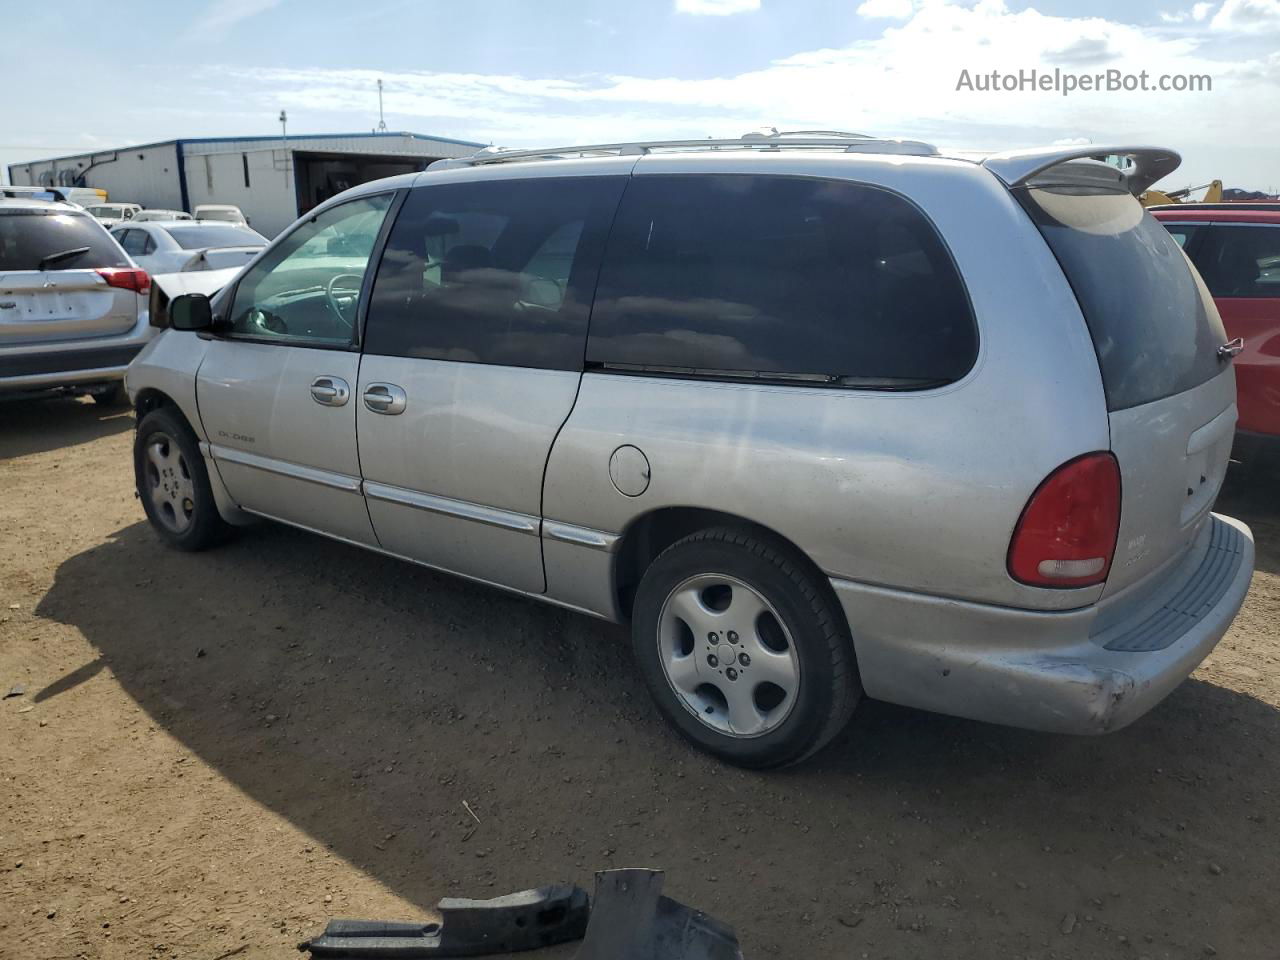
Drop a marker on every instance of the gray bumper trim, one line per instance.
(1194, 599)
(62, 378)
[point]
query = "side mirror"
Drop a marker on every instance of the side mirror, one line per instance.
(191, 311)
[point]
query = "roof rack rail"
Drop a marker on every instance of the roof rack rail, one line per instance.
(767, 140)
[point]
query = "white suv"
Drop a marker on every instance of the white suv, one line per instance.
(73, 306)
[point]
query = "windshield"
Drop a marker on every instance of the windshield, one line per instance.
(1153, 323)
(199, 237)
(29, 236)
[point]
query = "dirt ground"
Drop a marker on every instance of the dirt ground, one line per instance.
(215, 753)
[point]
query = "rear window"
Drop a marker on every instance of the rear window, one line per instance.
(1153, 324)
(197, 238)
(779, 278)
(29, 236)
(234, 216)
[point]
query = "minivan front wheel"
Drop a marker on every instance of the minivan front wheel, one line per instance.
(742, 649)
(173, 484)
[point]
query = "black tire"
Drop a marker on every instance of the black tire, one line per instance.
(186, 516)
(828, 684)
(112, 396)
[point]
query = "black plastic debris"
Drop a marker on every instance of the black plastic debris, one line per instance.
(467, 928)
(631, 920)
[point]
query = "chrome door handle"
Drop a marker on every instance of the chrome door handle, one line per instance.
(385, 398)
(1231, 348)
(330, 391)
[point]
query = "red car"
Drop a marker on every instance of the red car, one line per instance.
(1236, 248)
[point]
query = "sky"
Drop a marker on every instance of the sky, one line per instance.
(555, 72)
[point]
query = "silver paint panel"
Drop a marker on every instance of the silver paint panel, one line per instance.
(470, 433)
(168, 364)
(1173, 456)
(919, 490)
(581, 576)
(278, 451)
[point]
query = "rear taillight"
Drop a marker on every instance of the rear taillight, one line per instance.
(1066, 535)
(127, 278)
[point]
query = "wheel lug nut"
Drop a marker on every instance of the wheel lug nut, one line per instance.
(731, 673)
(712, 636)
(744, 659)
(733, 636)
(713, 660)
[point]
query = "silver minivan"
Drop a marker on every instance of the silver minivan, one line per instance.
(820, 416)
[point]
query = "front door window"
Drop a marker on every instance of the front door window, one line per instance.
(307, 289)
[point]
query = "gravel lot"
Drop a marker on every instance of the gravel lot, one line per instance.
(214, 753)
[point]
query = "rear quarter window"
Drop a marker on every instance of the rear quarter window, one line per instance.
(1153, 324)
(29, 236)
(779, 278)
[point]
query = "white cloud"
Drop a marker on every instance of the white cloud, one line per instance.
(1196, 14)
(1247, 15)
(221, 15)
(902, 83)
(716, 8)
(886, 9)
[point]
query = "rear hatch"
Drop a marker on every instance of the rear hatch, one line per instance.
(1170, 396)
(50, 289)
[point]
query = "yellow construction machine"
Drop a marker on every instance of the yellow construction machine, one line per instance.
(1212, 194)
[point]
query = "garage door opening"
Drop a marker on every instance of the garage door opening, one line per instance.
(319, 176)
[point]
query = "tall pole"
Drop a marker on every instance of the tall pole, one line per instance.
(284, 144)
(382, 123)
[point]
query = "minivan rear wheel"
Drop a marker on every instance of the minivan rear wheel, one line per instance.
(743, 649)
(173, 483)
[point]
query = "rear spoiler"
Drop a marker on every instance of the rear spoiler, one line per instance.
(203, 254)
(1146, 164)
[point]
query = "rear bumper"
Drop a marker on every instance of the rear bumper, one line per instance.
(34, 367)
(1084, 671)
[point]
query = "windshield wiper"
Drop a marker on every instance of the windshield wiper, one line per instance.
(51, 259)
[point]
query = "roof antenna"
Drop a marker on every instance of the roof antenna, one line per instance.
(382, 124)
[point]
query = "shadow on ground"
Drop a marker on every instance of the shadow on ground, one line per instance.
(1252, 494)
(364, 699)
(34, 426)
